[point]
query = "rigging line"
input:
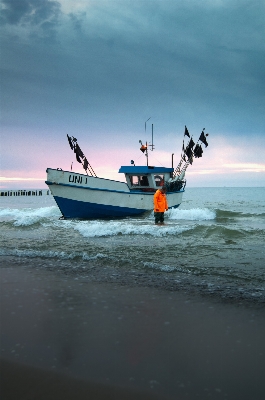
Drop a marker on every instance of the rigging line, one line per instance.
(158, 162)
(141, 155)
(93, 174)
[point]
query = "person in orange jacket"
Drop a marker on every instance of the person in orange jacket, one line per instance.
(160, 204)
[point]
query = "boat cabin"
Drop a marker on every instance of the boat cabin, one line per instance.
(146, 178)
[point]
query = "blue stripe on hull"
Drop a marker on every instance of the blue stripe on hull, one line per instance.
(84, 210)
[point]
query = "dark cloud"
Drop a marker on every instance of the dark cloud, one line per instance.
(116, 63)
(13, 11)
(78, 20)
(32, 12)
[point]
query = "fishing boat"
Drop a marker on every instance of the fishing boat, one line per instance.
(86, 196)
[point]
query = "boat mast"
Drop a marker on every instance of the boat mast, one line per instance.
(144, 148)
(152, 145)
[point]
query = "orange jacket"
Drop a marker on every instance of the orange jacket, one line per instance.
(160, 201)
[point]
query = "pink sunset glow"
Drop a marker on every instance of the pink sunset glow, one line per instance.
(220, 160)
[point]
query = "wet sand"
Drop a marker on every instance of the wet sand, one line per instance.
(20, 382)
(63, 337)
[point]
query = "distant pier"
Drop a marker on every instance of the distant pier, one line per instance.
(37, 192)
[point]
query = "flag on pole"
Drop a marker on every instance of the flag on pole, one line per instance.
(78, 151)
(198, 151)
(80, 157)
(191, 143)
(188, 152)
(186, 132)
(202, 138)
(85, 164)
(70, 142)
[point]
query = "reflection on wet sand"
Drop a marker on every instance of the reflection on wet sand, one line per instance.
(126, 342)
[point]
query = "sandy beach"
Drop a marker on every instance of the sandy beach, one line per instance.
(22, 382)
(63, 337)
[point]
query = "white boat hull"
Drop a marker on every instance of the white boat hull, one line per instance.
(85, 197)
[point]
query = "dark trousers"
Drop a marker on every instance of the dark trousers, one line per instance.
(159, 217)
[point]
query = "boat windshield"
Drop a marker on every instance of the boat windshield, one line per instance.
(159, 180)
(139, 180)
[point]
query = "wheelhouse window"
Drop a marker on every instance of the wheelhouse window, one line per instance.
(139, 180)
(159, 180)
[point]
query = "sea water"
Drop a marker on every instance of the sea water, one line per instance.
(213, 244)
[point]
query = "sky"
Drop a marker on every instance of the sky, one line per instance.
(99, 69)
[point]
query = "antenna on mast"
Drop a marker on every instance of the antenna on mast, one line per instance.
(145, 124)
(152, 145)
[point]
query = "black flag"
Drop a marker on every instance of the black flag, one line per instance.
(78, 152)
(70, 142)
(188, 152)
(198, 151)
(191, 143)
(85, 165)
(77, 158)
(80, 157)
(202, 138)
(186, 132)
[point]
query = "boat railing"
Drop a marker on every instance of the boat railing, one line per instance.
(176, 186)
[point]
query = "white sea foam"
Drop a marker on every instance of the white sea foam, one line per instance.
(164, 268)
(98, 256)
(28, 216)
(37, 253)
(194, 214)
(113, 228)
(159, 267)
(62, 255)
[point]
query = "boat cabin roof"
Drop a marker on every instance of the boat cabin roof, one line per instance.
(143, 170)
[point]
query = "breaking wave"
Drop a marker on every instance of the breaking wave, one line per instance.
(114, 228)
(202, 222)
(28, 216)
(194, 214)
